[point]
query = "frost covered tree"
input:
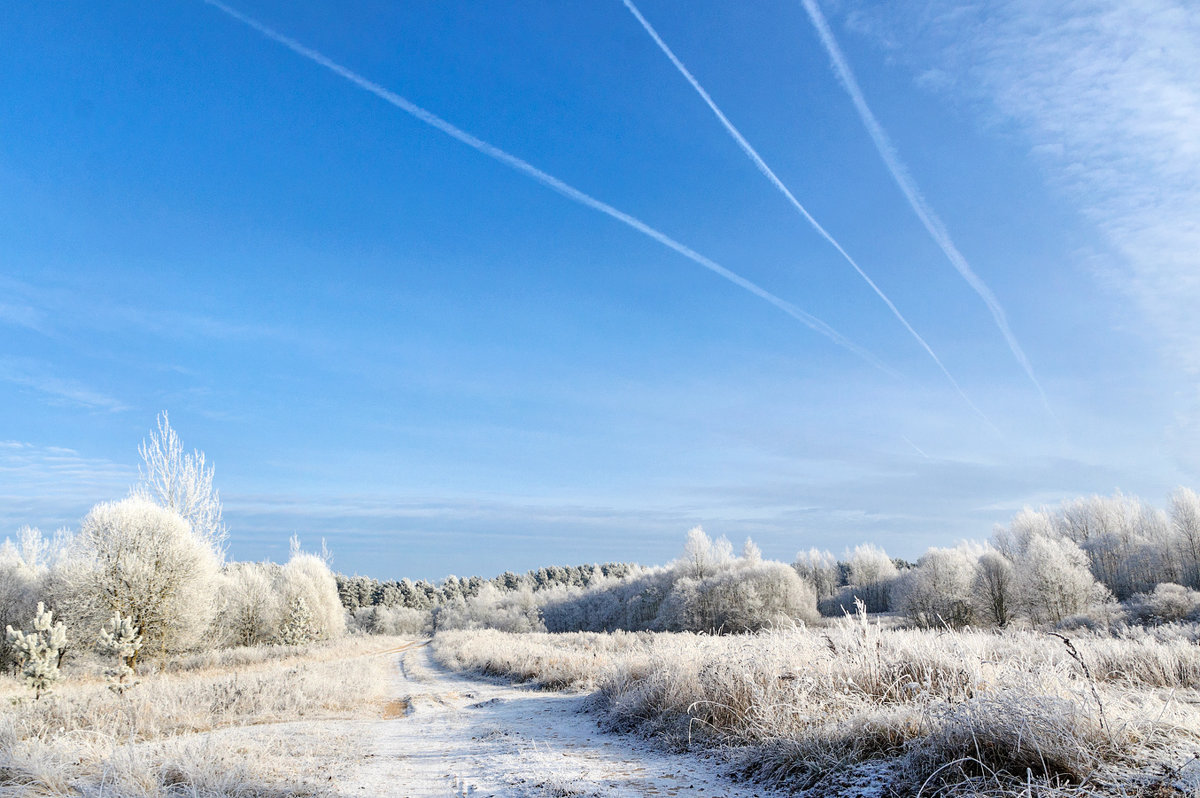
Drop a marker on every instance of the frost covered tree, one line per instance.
(19, 587)
(1185, 522)
(118, 638)
(994, 589)
(1054, 581)
(39, 651)
(939, 590)
(1167, 603)
(506, 610)
(872, 573)
(143, 561)
(751, 553)
(703, 556)
(298, 627)
(1027, 524)
(250, 607)
(308, 576)
(820, 569)
(183, 482)
(1128, 542)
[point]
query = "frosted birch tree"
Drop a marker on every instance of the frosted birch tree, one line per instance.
(181, 481)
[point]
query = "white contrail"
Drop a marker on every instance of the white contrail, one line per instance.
(919, 450)
(770, 175)
(909, 187)
(550, 181)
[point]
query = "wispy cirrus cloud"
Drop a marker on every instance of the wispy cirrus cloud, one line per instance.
(22, 315)
(1106, 93)
(39, 377)
(51, 486)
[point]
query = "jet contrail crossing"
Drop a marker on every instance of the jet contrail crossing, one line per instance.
(783, 189)
(933, 224)
(550, 181)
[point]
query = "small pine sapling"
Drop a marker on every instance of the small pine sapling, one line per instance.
(40, 651)
(119, 639)
(297, 627)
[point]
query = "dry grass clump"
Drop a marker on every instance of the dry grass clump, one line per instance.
(573, 660)
(918, 712)
(86, 739)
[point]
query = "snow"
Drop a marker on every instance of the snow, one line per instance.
(456, 735)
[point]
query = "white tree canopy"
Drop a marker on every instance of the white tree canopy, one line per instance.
(183, 482)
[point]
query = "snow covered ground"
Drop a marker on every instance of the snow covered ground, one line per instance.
(455, 735)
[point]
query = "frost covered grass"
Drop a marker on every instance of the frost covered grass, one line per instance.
(854, 706)
(84, 739)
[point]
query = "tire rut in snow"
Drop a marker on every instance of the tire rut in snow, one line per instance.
(468, 736)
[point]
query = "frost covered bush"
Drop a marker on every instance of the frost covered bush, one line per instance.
(307, 576)
(940, 590)
(1054, 581)
(744, 596)
(142, 560)
(630, 603)
(707, 589)
(298, 627)
(119, 639)
(1167, 603)
(266, 603)
(506, 611)
(40, 651)
(20, 584)
(250, 606)
(397, 621)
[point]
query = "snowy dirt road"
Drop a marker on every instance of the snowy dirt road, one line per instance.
(447, 734)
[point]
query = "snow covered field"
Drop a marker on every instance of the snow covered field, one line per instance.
(455, 734)
(846, 709)
(853, 708)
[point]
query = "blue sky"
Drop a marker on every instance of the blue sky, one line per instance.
(386, 338)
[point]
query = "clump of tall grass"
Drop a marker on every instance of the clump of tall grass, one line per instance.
(85, 738)
(925, 711)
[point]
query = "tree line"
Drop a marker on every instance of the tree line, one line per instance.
(147, 576)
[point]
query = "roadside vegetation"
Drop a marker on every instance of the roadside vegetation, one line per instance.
(134, 655)
(1059, 657)
(854, 707)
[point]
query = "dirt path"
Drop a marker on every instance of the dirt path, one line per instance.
(453, 735)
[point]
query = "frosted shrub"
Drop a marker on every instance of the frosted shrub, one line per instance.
(397, 621)
(939, 590)
(744, 596)
(507, 611)
(307, 576)
(1054, 581)
(40, 650)
(1167, 603)
(632, 603)
(119, 639)
(143, 561)
(298, 627)
(250, 606)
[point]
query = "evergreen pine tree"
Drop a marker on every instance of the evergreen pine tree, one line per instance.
(40, 651)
